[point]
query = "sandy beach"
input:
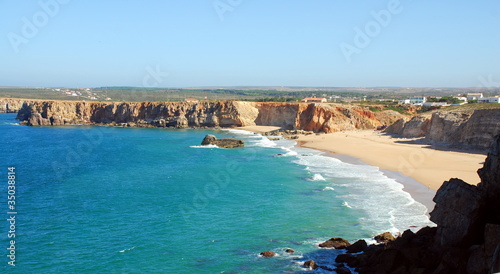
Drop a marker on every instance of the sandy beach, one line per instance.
(427, 166)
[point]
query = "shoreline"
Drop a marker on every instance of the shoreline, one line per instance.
(418, 167)
(417, 191)
(426, 165)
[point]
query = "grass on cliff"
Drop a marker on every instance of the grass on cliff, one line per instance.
(470, 107)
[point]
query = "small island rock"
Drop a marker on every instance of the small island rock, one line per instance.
(222, 143)
(338, 243)
(311, 264)
(289, 250)
(267, 254)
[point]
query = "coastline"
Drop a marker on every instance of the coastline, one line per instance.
(427, 166)
(418, 167)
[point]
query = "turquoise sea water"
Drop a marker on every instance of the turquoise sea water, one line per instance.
(128, 200)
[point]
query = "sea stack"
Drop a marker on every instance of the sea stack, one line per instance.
(222, 143)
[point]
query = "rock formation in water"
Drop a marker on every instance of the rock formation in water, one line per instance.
(222, 143)
(302, 116)
(466, 239)
(475, 130)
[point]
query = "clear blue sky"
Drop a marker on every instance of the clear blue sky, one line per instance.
(91, 43)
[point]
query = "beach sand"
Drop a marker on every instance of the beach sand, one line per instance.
(397, 157)
(409, 157)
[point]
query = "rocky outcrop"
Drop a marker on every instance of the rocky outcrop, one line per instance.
(222, 143)
(384, 237)
(466, 239)
(337, 243)
(289, 251)
(474, 130)
(296, 116)
(11, 105)
(268, 254)
(458, 213)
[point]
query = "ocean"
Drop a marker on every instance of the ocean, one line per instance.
(94, 199)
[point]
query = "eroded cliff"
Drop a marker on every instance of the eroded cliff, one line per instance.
(312, 117)
(476, 129)
(11, 105)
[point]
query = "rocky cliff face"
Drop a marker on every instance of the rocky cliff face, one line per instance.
(470, 130)
(312, 117)
(9, 105)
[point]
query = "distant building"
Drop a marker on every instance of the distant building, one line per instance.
(489, 100)
(435, 104)
(404, 102)
(474, 96)
(418, 100)
(191, 100)
(461, 98)
(314, 100)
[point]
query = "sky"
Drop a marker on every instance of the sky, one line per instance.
(195, 43)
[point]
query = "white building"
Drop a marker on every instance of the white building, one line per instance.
(474, 96)
(461, 98)
(404, 102)
(314, 100)
(435, 104)
(489, 100)
(418, 100)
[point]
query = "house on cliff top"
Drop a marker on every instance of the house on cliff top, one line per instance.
(191, 100)
(474, 96)
(314, 100)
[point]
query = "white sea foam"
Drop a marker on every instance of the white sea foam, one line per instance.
(128, 249)
(289, 152)
(13, 124)
(328, 188)
(240, 132)
(317, 177)
(205, 146)
(346, 204)
(263, 142)
(362, 187)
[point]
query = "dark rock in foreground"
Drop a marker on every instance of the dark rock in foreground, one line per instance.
(311, 264)
(384, 237)
(358, 246)
(338, 243)
(222, 143)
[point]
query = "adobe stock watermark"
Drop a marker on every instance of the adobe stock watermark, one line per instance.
(488, 83)
(363, 37)
(154, 77)
(218, 181)
(408, 165)
(223, 6)
(32, 26)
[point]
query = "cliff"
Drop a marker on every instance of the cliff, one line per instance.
(475, 130)
(9, 105)
(312, 117)
(466, 239)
